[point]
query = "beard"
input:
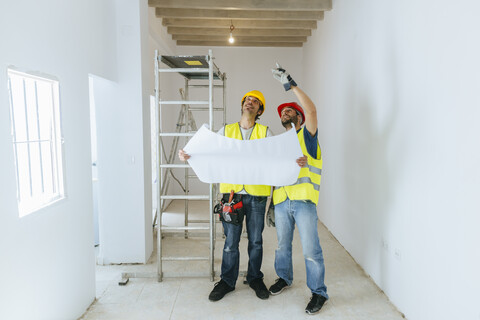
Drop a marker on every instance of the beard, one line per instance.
(286, 122)
(251, 110)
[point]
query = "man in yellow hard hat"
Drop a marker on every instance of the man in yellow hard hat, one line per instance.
(297, 203)
(253, 199)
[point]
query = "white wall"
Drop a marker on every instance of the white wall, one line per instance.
(250, 69)
(123, 142)
(47, 258)
(161, 41)
(396, 84)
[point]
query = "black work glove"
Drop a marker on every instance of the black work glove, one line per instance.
(271, 215)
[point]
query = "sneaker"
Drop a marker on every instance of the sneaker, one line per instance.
(315, 304)
(260, 288)
(220, 289)
(278, 286)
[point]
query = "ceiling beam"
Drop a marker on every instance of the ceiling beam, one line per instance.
(240, 32)
(239, 38)
(245, 4)
(218, 23)
(238, 14)
(237, 44)
(268, 23)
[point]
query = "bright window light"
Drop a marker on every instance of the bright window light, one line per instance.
(37, 140)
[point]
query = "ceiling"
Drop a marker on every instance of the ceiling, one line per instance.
(257, 23)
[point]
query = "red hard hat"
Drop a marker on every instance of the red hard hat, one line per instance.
(293, 105)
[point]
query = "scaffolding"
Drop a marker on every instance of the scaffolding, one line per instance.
(198, 72)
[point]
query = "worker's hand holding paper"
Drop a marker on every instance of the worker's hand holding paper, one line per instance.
(267, 161)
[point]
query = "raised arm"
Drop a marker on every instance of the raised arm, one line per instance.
(309, 109)
(307, 104)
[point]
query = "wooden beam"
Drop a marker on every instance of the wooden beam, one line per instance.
(239, 38)
(240, 32)
(238, 14)
(245, 4)
(218, 23)
(237, 44)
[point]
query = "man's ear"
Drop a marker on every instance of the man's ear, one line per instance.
(260, 110)
(299, 120)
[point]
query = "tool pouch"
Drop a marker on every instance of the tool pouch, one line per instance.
(230, 209)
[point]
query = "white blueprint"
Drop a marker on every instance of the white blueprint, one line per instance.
(268, 161)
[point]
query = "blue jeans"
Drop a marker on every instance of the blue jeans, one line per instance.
(304, 214)
(254, 208)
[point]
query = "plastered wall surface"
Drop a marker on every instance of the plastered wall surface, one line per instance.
(48, 256)
(397, 86)
(123, 139)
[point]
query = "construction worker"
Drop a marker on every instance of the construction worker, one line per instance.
(254, 198)
(296, 204)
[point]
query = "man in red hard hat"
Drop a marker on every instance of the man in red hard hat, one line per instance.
(297, 203)
(254, 200)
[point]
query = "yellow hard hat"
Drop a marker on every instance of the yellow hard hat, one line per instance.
(257, 94)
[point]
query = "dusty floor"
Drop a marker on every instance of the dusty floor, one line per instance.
(353, 295)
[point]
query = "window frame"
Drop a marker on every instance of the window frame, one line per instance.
(52, 146)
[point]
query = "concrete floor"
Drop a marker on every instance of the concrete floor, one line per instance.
(353, 295)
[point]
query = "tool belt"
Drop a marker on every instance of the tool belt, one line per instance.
(230, 209)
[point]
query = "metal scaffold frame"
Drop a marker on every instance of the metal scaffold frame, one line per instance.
(200, 69)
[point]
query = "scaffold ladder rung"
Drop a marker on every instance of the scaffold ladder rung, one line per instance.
(182, 102)
(185, 197)
(175, 166)
(174, 134)
(185, 258)
(182, 228)
(199, 73)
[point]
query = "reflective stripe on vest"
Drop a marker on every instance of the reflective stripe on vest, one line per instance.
(307, 185)
(233, 131)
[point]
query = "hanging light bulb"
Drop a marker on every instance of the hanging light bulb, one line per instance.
(231, 39)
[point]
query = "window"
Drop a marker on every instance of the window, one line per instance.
(37, 140)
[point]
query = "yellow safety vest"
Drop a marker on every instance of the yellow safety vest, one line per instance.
(308, 182)
(233, 131)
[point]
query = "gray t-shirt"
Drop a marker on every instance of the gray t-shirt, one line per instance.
(246, 133)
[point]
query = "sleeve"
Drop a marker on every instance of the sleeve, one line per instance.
(311, 143)
(269, 132)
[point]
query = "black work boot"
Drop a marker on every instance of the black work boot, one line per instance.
(315, 304)
(260, 288)
(278, 286)
(220, 289)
